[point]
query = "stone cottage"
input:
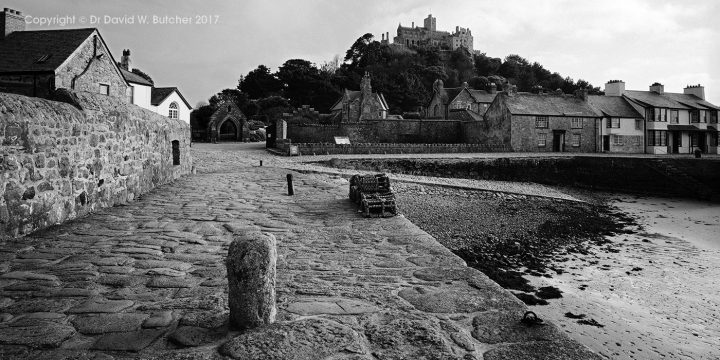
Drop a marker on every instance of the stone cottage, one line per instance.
(357, 106)
(544, 123)
(460, 103)
(36, 63)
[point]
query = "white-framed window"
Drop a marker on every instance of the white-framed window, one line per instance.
(541, 122)
(105, 89)
(613, 123)
(617, 140)
(575, 140)
(674, 116)
(173, 112)
(638, 124)
(542, 139)
(576, 123)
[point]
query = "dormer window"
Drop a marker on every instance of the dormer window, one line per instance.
(173, 113)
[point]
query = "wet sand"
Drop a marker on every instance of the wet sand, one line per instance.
(658, 297)
(653, 292)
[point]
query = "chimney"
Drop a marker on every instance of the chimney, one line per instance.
(614, 88)
(125, 62)
(581, 94)
(383, 37)
(493, 88)
(697, 90)
(413, 24)
(387, 36)
(658, 88)
(11, 21)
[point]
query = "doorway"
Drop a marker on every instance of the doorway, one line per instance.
(228, 131)
(558, 140)
(677, 142)
(606, 142)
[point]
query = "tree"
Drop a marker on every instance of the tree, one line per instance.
(486, 66)
(300, 79)
(229, 95)
(271, 108)
(260, 83)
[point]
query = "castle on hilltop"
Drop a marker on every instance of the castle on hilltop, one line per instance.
(428, 35)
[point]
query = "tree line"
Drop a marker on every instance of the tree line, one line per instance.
(405, 75)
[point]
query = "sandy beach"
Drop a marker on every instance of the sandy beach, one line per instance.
(650, 292)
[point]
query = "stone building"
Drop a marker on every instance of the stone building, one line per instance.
(674, 123)
(429, 35)
(167, 101)
(357, 106)
(36, 63)
(460, 103)
(227, 123)
(544, 123)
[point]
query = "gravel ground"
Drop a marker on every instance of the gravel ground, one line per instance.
(507, 235)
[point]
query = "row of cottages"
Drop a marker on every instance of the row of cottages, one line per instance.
(672, 123)
(460, 103)
(37, 63)
(621, 121)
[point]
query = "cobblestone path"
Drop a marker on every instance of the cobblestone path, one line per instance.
(147, 280)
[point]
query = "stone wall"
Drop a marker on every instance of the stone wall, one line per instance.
(524, 134)
(380, 131)
(390, 148)
(60, 161)
(696, 178)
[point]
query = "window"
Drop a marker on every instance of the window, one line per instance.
(694, 116)
(674, 116)
(575, 140)
(617, 140)
(637, 140)
(576, 123)
(173, 112)
(660, 114)
(613, 123)
(541, 122)
(713, 139)
(657, 138)
(638, 124)
(713, 117)
(542, 139)
(650, 114)
(105, 89)
(703, 116)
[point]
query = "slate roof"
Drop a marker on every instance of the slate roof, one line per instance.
(653, 99)
(549, 105)
(613, 106)
(159, 94)
(482, 96)
(464, 115)
(692, 101)
(135, 78)
(21, 50)
(355, 94)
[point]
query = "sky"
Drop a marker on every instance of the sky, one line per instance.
(676, 43)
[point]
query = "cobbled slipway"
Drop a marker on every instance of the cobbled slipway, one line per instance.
(147, 280)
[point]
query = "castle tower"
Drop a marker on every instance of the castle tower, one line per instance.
(430, 23)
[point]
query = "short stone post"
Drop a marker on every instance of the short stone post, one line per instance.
(251, 265)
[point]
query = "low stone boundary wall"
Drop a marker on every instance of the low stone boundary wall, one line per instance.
(696, 178)
(387, 148)
(60, 161)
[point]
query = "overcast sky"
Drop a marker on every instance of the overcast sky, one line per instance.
(639, 41)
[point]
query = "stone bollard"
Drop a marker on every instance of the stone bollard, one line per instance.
(250, 265)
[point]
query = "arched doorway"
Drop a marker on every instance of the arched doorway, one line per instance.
(228, 131)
